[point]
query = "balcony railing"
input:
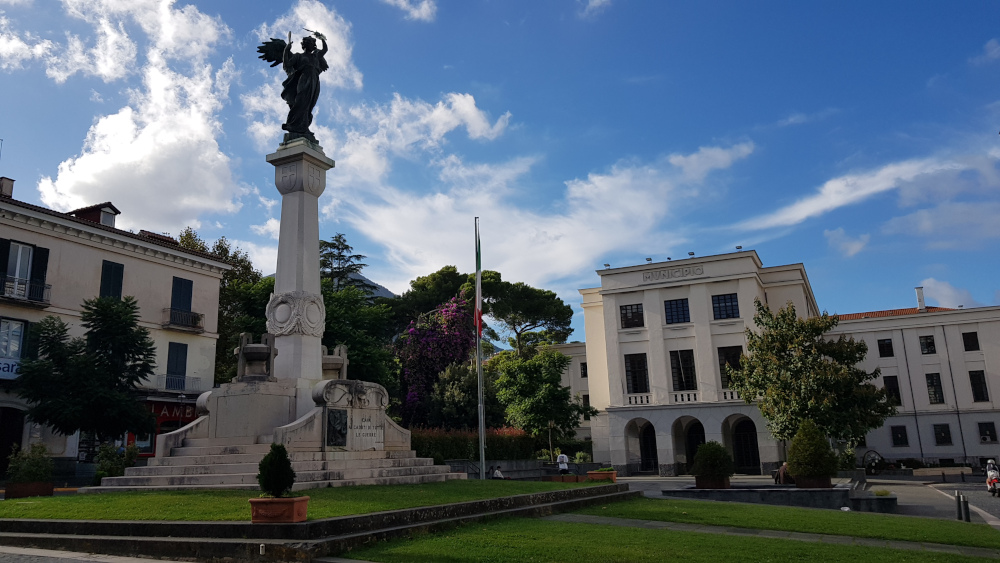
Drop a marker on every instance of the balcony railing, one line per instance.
(678, 397)
(168, 382)
(729, 395)
(183, 320)
(638, 398)
(33, 292)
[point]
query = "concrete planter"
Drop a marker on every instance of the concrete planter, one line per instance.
(803, 482)
(24, 490)
(710, 482)
(603, 476)
(278, 510)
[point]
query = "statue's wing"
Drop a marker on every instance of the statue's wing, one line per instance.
(272, 51)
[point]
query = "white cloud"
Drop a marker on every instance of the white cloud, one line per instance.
(950, 224)
(270, 228)
(697, 165)
(850, 189)
(847, 246)
(799, 118)
(991, 52)
(423, 10)
(263, 256)
(594, 7)
(16, 50)
(161, 146)
(947, 295)
(96, 97)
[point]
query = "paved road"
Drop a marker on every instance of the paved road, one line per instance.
(27, 555)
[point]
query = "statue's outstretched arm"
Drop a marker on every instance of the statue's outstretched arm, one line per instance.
(287, 54)
(322, 51)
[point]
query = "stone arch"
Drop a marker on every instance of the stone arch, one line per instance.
(640, 447)
(688, 433)
(739, 433)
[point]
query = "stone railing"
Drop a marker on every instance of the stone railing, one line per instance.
(638, 399)
(679, 397)
(729, 395)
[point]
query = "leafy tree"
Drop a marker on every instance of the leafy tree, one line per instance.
(236, 293)
(794, 374)
(338, 264)
(533, 316)
(426, 293)
(454, 402)
(352, 320)
(436, 340)
(531, 390)
(90, 383)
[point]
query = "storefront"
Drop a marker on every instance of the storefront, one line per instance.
(169, 417)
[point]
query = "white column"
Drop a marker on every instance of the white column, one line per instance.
(296, 314)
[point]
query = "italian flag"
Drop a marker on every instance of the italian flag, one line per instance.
(479, 285)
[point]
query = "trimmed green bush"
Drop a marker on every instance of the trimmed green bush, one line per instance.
(583, 457)
(30, 465)
(274, 473)
(810, 454)
(501, 443)
(112, 463)
(713, 460)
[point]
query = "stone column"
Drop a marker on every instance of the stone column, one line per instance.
(295, 313)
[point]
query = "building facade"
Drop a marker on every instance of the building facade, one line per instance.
(54, 261)
(576, 377)
(659, 336)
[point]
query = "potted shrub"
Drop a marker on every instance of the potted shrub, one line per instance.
(712, 467)
(29, 473)
(810, 459)
(603, 474)
(276, 477)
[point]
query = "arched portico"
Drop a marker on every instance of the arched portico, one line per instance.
(640, 446)
(688, 433)
(740, 436)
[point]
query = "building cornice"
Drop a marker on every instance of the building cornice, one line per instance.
(61, 226)
(953, 317)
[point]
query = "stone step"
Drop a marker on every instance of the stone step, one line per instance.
(299, 486)
(206, 469)
(200, 478)
(205, 442)
(294, 456)
(228, 449)
(368, 473)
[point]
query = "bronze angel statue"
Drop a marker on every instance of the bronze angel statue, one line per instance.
(301, 89)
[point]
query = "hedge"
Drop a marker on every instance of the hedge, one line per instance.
(501, 443)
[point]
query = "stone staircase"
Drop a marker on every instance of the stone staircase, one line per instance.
(231, 463)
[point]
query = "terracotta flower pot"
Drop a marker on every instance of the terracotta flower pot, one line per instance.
(603, 476)
(24, 490)
(278, 510)
(803, 482)
(710, 482)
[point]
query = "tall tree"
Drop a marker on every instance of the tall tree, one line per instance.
(338, 264)
(529, 314)
(794, 373)
(531, 390)
(353, 320)
(236, 293)
(90, 383)
(426, 293)
(436, 340)
(454, 401)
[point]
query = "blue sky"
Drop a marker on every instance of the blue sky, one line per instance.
(858, 138)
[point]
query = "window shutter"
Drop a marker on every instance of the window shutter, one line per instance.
(177, 358)
(4, 254)
(112, 274)
(180, 295)
(675, 370)
(39, 266)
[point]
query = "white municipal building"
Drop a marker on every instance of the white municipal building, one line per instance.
(659, 334)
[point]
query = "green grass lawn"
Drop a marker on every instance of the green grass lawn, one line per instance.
(233, 505)
(817, 521)
(538, 541)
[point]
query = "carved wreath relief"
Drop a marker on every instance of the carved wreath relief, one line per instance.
(296, 312)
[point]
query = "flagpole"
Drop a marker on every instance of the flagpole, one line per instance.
(479, 356)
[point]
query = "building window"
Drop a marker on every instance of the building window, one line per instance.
(632, 315)
(885, 348)
(636, 374)
(583, 370)
(899, 438)
(586, 403)
(728, 356)
(24, 277)
(971, 340)
(11, 339)
(934, 392)
(677, 311)
(682, 367)
(980, 393)
(725, 306)
(942, 434)
(892, 390)
(176, 365)
(927, 345)
(987, 432)
(180, 294)
(112, 274)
